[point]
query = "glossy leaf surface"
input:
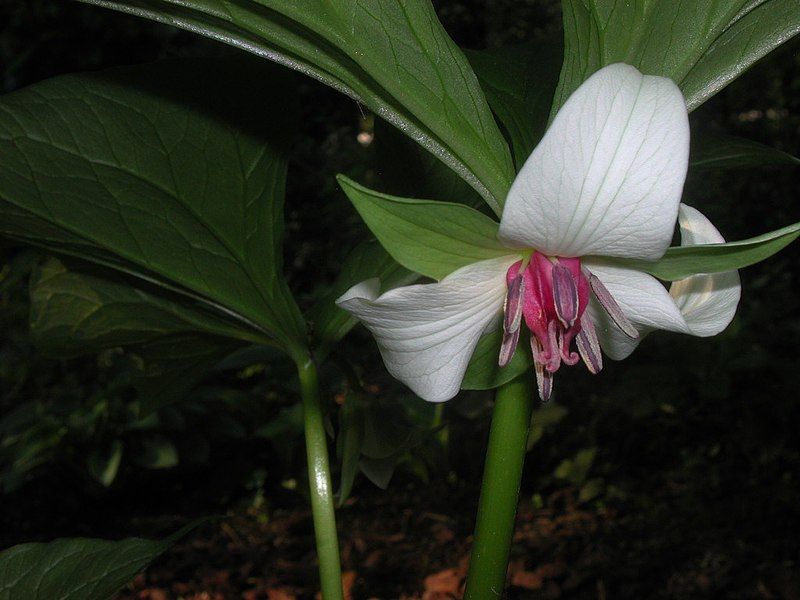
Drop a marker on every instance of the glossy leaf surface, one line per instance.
(392, 56)
(425, 236)
(684, 261)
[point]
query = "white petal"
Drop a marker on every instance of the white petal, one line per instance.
(708, 302)
(427, 333)
(607, 177)
(643, 299)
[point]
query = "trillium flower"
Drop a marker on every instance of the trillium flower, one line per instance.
(605, 183)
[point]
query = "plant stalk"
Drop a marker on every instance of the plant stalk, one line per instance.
(502, 474)
(319, 478)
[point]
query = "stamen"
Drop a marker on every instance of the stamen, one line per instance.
(565, 295)
(513, 304)
(610, 305)
(553, 352)
(544, 378)
(508, 347)
(589, 346)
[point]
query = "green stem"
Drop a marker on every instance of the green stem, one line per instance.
(502, 474)
(319, 477)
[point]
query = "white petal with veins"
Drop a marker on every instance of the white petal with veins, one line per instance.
(427, 333)
(607, 177)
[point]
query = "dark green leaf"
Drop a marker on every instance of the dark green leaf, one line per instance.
(157, 452)
(519, 83)
(379, 470)
(172, 367)
(104, 462)
(78, 568)
(702, 46)
(172, 172)
(684, 261)
(711, 151)
(426, 236)
(394, 57)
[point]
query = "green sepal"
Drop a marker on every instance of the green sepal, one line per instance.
(428, 237)
(684, 261)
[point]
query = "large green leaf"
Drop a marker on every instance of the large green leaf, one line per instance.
(684, 261)
(392, 56)
(702, 46)
(714, 151)
(76, 568)
(426, 236)
(519, 82)
(328, 322)
(173, 172)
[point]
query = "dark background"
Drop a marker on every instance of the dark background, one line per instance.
(675, 474)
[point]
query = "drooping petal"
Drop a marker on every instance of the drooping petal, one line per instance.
(642, 298)
(606, 178)
(708, 302)
(427, 333)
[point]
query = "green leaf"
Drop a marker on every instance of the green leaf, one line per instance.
(173, 172)
(576, 469)
(483, 372)
(714, 151)
(702, 46)
(519, 83)
(394, 57)
(157, 452)
(328, 322)
(172, 367)
(684, 261)
(426, 236)
(77, 568)
(104, 463)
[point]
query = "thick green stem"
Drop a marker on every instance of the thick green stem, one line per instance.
(502, 474)
(319, 477)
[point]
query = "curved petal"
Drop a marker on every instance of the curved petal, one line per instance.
(606, 178)
(708, 302)
(643, 299)
(701, 305)
(427, 333)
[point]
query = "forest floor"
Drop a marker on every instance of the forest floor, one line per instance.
(414, 544)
